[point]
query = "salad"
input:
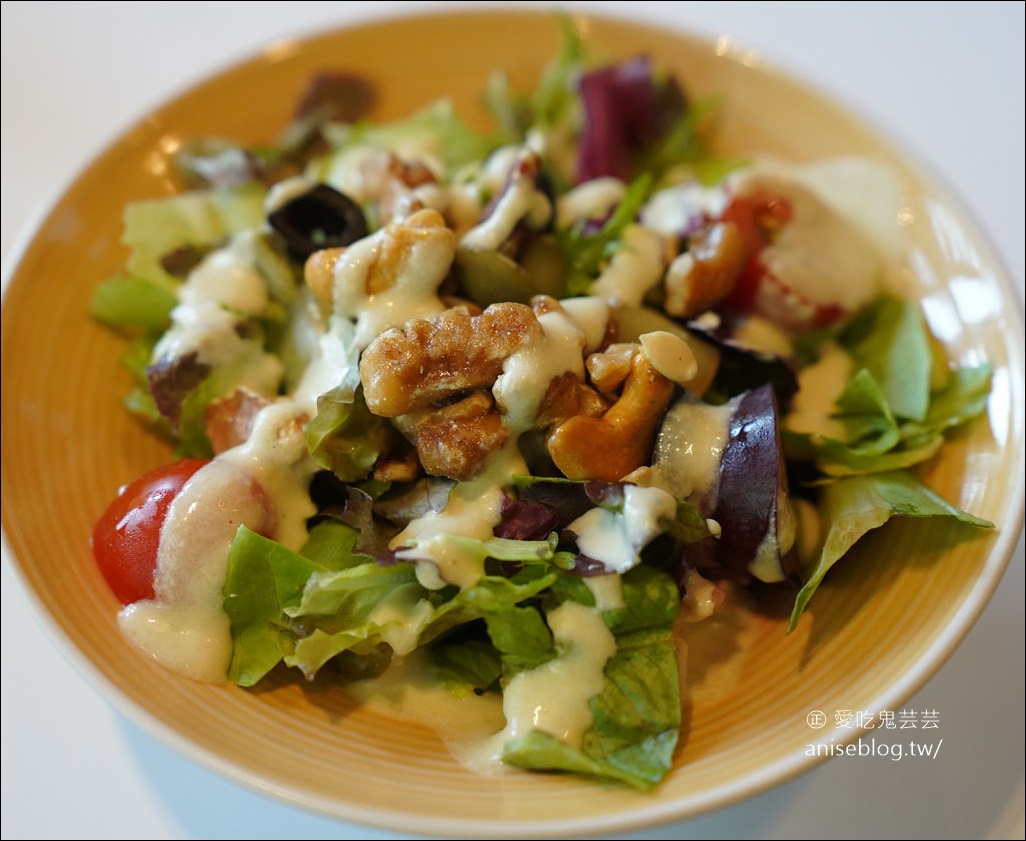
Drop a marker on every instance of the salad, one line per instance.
(502, 412)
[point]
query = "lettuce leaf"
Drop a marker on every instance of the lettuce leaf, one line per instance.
(344, 436)
(130, 303)
(586, 251)
(436, 131)
(853, 506)
(156, 227)
(637, 714)
(891, 341)
(263, 579)
(467, 665)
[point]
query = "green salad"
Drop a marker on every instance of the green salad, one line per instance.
(513, 406)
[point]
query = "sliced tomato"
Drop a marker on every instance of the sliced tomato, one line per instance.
(126, 536)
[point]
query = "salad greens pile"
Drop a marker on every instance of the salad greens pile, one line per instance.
(349, 597)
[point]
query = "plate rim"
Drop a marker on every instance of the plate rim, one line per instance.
(779, 772)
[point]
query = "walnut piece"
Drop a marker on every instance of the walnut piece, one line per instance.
(229, 420)
(407, 369)
(454, 440)
(706, 273)
(388, 277)
(611, 446)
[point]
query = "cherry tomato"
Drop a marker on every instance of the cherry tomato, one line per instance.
(759, 217)
(756, 216)
(126, 536)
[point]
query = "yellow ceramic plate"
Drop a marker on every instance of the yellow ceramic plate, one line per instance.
(885, 620)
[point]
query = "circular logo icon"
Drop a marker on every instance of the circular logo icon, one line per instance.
(816, 719)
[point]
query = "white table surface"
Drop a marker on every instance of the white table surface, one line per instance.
(944, 79)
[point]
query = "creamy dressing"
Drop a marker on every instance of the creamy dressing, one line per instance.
(777, 542)
(261, 484)
(335, 364)
(526, 374)
(466, 723)
(593, 199)
(554, 696)
(473, 510)
(412, 294)
(224, 287)
(615, 538)
(521, 201)
(607, 590)
(689, 447)
(762, 335)
(229, 277)
(683, 208)
(819, 386)
(592, 315)
(636, 267)
(700, 597)
(401, 625)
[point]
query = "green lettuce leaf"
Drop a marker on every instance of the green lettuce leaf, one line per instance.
(586, 252)
(491, 595)
(876, 441)
(852, 506)
(637, 714)
(962, 398)
(890, 339)
(156, 227)
(467, 665)
(344, 436)
(637, 719)
(356, 609)
(131, 303)
(436, 131)
(651, 599)
(552, 103)
(866, 415)
(263, 579)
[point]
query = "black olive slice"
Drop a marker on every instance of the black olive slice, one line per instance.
(319, 218)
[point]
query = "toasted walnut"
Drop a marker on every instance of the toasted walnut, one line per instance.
(428, 361)
(607, 370)
(565, 397)
(611, 446)
(393, 183)
(399, 465)
(541, 304)
(455, 302)
(707, 272)
(455, 440)
(387, 278)
(229, 420)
